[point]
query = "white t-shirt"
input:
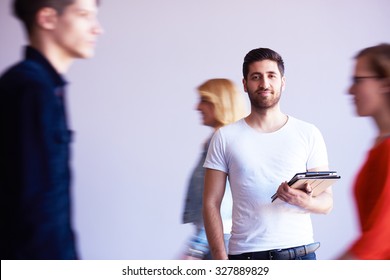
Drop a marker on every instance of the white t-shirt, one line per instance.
(256, 164)
(226, 210)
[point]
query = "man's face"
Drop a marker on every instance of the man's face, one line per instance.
(77, 28)
(264, 84)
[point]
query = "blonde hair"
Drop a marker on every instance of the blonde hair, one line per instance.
(228, 101)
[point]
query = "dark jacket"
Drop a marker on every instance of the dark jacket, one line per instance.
(34, 163)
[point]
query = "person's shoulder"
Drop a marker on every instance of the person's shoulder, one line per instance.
(304, 128)
(9, 71)
(25, 72)
(237, 124)
(298, 123)
(381, 150)
(385, 144)
(26, 79)
(233, 126)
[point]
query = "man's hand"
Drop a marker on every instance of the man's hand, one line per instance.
(301, 198)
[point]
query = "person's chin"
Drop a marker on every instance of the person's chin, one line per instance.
(87, 53)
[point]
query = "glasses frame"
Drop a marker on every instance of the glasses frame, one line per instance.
(357, 79)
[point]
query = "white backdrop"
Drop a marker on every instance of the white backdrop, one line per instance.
(132, 107)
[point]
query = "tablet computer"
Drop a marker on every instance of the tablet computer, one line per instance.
(319, 181)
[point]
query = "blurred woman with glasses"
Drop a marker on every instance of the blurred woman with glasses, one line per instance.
(371, 94)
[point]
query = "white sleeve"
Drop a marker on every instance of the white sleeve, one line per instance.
(215, 158)
(318, 155)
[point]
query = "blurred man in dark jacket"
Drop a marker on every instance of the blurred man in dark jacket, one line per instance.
(34, 144)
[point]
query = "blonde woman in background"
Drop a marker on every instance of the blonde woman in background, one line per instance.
(371, 94)
(220, 103)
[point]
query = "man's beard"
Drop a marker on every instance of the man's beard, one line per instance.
(260, 102)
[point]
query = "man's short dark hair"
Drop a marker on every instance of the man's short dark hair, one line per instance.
(259, 55)
(26, 10)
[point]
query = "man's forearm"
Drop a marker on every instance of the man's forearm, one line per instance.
(214, 230)
(321, 204)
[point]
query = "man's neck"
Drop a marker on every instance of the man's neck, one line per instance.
(57, 57)
(268, 120)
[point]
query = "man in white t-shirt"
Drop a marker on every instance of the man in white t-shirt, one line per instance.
(258, 154)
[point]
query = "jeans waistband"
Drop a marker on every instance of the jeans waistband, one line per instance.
(278, 254)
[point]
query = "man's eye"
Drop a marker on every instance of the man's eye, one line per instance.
(86, 14)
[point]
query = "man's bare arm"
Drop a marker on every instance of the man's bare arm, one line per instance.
(321, 204)
(214, 189)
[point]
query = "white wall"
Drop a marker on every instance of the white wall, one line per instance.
(132, 107)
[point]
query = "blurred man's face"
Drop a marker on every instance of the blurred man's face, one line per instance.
(77, 28)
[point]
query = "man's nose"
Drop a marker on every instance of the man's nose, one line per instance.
(264, 83)
(98, 28)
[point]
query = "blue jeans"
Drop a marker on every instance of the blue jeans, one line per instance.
(311, 256)
(198, 245)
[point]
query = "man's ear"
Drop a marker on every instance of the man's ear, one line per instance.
(244, 84)
(283, 83)
(47, 18)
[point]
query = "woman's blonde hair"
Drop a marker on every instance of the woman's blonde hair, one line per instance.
(228, 101)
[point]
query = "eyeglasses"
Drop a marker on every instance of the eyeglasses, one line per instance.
(359, 79)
